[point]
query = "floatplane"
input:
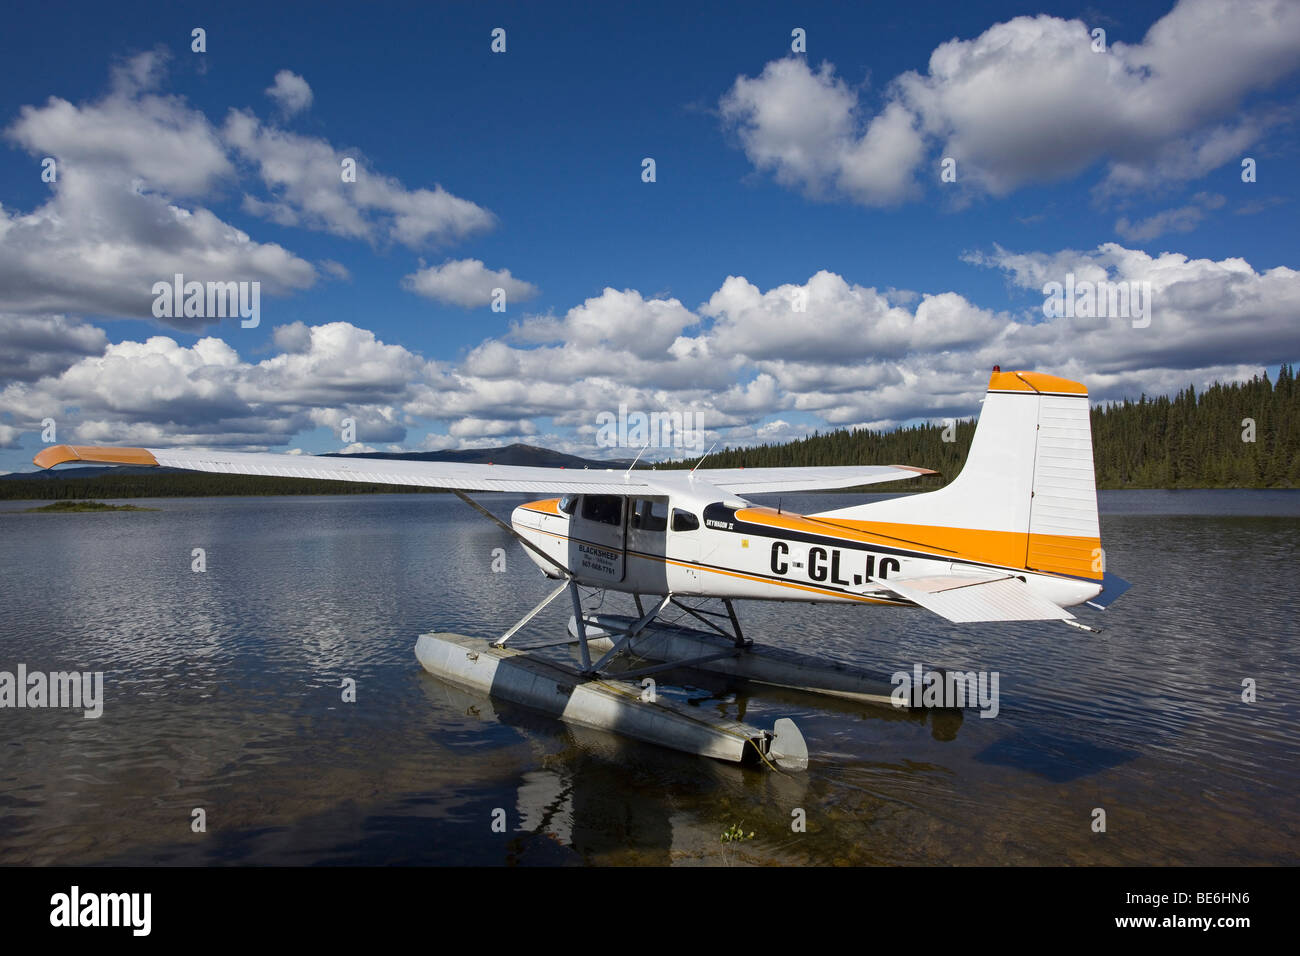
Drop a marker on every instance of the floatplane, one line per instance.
(1015, 537)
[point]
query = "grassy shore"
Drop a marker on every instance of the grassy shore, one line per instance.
(67, 507)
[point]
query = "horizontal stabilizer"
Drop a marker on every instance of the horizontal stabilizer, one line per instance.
(1112, 586)
(964, 599)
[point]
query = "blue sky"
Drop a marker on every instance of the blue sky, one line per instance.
(816, 171)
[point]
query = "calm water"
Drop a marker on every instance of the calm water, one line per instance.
(223, 692)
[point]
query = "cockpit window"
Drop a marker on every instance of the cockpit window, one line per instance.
(648, 515)
(685, 521)
(567, 503)
(606, 509)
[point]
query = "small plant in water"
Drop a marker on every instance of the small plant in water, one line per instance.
(733, 834)
(736, 834)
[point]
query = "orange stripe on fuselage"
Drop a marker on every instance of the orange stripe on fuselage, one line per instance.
(1057, 554)
(1049, 553)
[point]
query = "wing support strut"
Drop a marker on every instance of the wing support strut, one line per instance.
(568, 584)
(501, 641)
(510, 531)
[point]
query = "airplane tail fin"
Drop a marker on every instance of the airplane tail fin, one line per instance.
(1026, 497)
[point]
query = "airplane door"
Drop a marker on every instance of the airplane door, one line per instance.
(684, 545)
(647, 533)
(596, 544)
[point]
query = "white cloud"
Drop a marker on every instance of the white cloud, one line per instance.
(1205, 313)
(133, 168)
(491, 427)
(37, 346)
(793, 121)
(839, 322)
(336, 270)
(160, 393)
(111, 229)
(303, 175)
(467, 283)
(1180, 219)
(857, 356)
(98, 246)
(1029, 101)
(294, 338)
(339, 364)
(291, 92)
(128, 134)
(621, 320)
(801, 125)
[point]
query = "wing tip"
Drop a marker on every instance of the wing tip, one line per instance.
(61, 454)
(919, 471)
(55, 455)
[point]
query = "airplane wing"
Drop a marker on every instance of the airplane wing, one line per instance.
(964, 599)
(464, 476)
(460, 476)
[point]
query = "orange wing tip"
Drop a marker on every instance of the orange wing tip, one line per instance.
(60, 454)
(55, 455)
(919, 471)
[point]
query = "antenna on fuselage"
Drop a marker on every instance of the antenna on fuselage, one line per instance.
(636, 459)
(705, 455)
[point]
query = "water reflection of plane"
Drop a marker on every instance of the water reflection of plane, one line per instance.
(598, 797)
(610, 799)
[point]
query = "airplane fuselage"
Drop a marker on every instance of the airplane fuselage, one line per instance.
(738, 550)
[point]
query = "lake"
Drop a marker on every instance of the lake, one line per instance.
(223, 692)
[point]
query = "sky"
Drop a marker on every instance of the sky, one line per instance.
(474, 224)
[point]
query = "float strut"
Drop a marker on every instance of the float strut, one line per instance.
(581, 625)
(735, 624)
(631, 633)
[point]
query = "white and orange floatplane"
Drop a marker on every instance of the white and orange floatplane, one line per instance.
(1015, 537)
